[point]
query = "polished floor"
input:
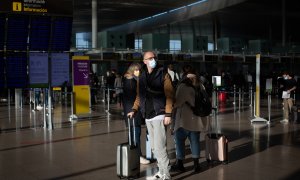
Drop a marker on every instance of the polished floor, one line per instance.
(86, 148)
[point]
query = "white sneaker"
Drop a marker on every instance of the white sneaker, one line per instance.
(285, 121)
(144, 160)
(158, 176)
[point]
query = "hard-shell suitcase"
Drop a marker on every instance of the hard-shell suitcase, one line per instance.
(128, 158)
(216, 143)
(216, 147)
(295, 114)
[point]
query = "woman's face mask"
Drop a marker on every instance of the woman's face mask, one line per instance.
(152, 63)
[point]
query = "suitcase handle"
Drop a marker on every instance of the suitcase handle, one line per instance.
(129, 131)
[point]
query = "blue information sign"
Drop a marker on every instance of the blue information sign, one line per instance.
(61, 34)
(39, 33)
(59, 68)
(2, 80)
(38, 68)
(17, 33)
(2, 31)
(16, 70)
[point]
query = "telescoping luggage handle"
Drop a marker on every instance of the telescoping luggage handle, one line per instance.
(213, 129)
(129, 131)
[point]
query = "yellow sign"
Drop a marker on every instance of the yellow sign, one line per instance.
(17, 6)
(81, 89)
(81, 99)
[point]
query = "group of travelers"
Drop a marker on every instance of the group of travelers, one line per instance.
(162, 98)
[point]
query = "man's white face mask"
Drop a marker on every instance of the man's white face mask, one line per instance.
(152, 63)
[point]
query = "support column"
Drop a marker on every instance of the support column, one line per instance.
(283, 23)
(94, 24)
(215, 31)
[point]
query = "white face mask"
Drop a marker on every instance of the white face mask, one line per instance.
(152, 63)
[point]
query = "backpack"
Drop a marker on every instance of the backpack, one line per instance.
(203, 105)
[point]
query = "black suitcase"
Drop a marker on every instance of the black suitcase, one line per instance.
(128, 158)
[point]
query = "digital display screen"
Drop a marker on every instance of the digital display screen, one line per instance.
(60, 68)
(61, 34)
(216, 80)
(2, 70)
(2, 31)
(16, 70)
(17, 33)
(38, 68)
(39, 33)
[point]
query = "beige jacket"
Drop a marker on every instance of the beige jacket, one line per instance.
(184, 114)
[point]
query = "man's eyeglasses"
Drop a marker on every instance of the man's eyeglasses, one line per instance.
(150, 58)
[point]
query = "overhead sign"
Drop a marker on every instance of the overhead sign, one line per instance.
(59, 68)
(38, 68)
(53, 7)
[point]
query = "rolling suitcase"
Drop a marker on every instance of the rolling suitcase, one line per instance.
(295, 114)
(128, 158)
(216, 144)
(216, 147)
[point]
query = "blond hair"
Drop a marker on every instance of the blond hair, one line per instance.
(131, 69)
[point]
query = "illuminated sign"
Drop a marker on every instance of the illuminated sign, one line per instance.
(64, 7)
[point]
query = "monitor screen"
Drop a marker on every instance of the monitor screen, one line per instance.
(218, 80)
(2, 31)
(39, 33)
(17, 33)
(2, 80)
(16, 70)
(61, 34)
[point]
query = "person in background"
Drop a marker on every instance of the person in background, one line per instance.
(289, 86)
(110, 81)
(155, 100)
(186, 68)
(130, 92)
(173, 74)
(118, 89)
(186, 124)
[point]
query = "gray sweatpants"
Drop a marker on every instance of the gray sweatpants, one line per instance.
(158, 141)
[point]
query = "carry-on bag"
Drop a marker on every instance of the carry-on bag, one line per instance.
(128, 157)
(216, 145)
(295, 114)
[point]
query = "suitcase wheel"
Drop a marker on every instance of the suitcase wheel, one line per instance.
(225, 162)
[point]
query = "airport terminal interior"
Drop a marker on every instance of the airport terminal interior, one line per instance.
(61, 112)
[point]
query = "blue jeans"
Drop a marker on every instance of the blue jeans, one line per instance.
(137, 138)
(194, 137)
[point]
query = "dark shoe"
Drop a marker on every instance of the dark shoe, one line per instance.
(178, 166)
(196, 165)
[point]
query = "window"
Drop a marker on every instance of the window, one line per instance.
(210, 46)
(138, 44)
(175, 45)
(82, 41)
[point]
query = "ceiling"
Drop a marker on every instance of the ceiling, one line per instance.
(250, 19)
(116, 12)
